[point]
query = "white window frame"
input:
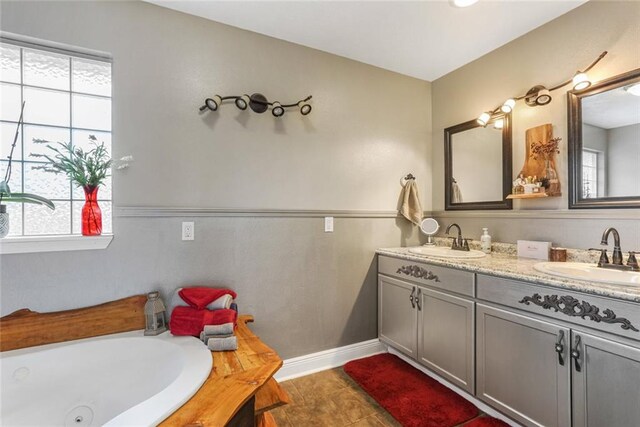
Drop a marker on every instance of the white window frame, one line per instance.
(64, 242)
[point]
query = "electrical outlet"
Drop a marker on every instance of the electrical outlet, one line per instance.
(188, 231)
(328, 224)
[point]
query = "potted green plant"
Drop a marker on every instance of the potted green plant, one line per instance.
(86, 169)
(5, 192)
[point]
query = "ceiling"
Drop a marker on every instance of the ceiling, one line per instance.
(422, 39)
(612, 109)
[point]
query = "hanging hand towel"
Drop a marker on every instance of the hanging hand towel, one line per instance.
(411, 207)
(456, 194)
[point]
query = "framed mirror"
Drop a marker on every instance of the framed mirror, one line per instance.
(604, 144)
(477, 170)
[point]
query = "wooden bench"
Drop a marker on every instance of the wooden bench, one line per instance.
(240, 388)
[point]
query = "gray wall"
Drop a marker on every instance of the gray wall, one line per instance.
(624, 153)
(547, 55)
(595, 138)
(308, 290)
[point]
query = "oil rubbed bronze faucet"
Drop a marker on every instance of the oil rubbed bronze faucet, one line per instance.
(617, 261)
(459, 243)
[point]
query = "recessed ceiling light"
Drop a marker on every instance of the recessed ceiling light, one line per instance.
(462, 3)
(633, 89)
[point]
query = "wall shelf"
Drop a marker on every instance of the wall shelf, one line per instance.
(528, 196)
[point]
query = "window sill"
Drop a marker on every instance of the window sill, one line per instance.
(33, 244)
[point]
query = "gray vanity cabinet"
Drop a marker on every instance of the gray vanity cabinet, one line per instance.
(523, 367)
(397, 314)
(606, 382)
(445, 336)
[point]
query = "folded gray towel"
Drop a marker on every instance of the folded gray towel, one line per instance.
(204, 337)
(224, 329)
(223, 344)
(220, 303)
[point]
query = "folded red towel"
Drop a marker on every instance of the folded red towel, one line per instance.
(191, 321)
(200, 297)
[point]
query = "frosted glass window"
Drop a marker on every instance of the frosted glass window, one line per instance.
(46, 184)
(46, 69)
(39, 220)
(9, 63)
(46, 107)
(67, 98)
(589, 174)
(48, 133)
(9, 102)
(15, 182)
(90, 112)
(7, 133)
(91, 77)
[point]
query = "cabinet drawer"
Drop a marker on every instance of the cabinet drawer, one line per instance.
(447, 279)
(591, 311)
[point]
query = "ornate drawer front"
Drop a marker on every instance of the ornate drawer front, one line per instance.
(591, 311)
(447, 279)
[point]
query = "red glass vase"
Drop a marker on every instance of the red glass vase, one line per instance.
(91, 213)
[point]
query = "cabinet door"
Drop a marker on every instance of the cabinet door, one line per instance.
(519, 371)
(397, 314)
(606, 382)
(445, 336)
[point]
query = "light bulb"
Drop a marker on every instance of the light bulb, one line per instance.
(498, 124)
(304, 108)
(213, 103)
(543, 97)
(462, 3)
(581, 81)
(484, 119)
(277, 110)
(242, 102)
(508, 105)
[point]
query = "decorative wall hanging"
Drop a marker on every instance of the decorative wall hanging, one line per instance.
(258, 103)
(539, 95)
(538, 177)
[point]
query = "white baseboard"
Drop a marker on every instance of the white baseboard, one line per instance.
(480, 404)
(327, 359)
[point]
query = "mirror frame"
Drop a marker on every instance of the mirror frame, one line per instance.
(506, 166)
(574, 117)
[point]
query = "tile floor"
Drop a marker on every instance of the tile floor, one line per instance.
(330, 399)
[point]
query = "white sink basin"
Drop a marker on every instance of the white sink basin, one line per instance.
(444, 252)
(588, 272)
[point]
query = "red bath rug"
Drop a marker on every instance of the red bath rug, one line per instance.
(413, 398)
(486, 422)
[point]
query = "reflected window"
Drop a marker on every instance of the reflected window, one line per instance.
(590, 174)
(68, 98)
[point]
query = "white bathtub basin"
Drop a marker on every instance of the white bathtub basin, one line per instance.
(588, 272)
(444, 252)
(116, 380)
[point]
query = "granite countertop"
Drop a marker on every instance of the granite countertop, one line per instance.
(504, 263)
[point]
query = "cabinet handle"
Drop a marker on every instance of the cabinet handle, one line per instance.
(560, 348)
(418, 302)
(411, 297)
(575, 355)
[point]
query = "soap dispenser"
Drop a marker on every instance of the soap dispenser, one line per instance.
(485, 241)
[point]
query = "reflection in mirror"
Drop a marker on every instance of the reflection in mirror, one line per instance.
(604, 139)
(478, 165)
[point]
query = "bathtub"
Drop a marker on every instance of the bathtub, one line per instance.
(123, 379)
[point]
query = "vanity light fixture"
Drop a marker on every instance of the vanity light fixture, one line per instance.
(257, 102)
(539, 95)
(633, 89)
